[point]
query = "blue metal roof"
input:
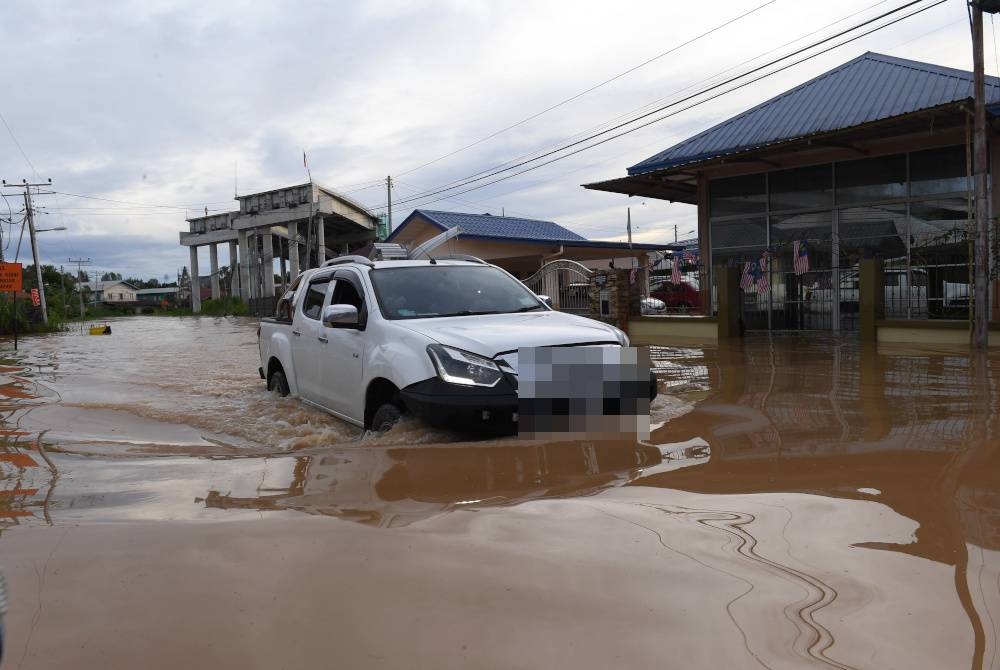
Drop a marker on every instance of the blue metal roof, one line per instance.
(872, 87)
(486, 226)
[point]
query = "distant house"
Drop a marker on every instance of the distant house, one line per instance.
(520, 246)
(110, 291)
(156, 296)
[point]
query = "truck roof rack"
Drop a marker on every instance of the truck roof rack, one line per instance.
(340, 260)
(461, 257)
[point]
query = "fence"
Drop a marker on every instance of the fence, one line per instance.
(566, 282)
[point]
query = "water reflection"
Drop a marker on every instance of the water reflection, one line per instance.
(388, 487)
(830, 501)
(916, 431)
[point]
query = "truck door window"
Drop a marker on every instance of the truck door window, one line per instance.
(344, 293)
(312, 304)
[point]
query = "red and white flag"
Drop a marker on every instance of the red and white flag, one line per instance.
(631, 275)
(675, 271)
(763, 275)
(748, 282)
(800, 257)
(36, 300)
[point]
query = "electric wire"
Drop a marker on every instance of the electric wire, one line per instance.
(19, 147)
(468, 181)
(593, 88)
(662, 99)
(659, 101)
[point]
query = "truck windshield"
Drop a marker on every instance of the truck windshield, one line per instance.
(448, 290)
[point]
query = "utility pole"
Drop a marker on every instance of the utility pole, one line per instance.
(29, 213)
(80, 262)
(388, 188)
(981, 253)
(675, 233)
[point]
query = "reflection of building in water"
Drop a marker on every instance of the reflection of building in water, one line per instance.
(396, 487)
(822, 416)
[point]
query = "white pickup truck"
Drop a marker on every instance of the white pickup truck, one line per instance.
(369, 341)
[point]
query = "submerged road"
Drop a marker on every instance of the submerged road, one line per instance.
(802, 502)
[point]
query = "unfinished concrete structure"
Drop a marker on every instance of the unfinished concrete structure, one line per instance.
(299, 226)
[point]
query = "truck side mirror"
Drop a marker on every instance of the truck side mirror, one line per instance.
(340, 316)
(546, 299)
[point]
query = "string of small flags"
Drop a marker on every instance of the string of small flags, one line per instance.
(756, 275)
(675, 269)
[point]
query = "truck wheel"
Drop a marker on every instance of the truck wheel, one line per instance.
(385, 417)
(278, 384)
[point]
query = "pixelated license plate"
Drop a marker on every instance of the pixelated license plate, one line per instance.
(588, 393)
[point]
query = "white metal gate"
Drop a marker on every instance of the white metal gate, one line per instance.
(566, 282)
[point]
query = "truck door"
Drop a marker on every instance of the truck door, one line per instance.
(307, 345)
(343, 354)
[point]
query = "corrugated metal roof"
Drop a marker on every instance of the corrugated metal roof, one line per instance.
(872, 87)
(494, 227)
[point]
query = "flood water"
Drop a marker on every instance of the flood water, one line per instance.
(802, 502)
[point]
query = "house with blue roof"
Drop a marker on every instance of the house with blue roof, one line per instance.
(870, 159)
(520, 246)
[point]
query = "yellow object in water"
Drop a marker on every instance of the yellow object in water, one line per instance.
(100, 330)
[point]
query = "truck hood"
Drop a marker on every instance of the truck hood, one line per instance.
(491, 334)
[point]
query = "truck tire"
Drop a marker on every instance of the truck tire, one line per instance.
(385, 417)
(278, 384)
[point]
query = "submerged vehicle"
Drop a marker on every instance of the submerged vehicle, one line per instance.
(369, 341)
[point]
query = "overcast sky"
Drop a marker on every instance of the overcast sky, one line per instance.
(160, 103)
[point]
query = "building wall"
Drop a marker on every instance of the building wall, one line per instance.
(908, 207)
(116, 293)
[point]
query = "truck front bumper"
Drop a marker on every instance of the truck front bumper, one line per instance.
(476, 408)
(473, 408)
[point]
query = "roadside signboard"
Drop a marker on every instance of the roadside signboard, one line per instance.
(10, 277)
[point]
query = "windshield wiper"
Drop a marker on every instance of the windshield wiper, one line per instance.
(527, 309)
(466, 312)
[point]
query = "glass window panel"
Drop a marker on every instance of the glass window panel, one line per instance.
(740, 233)
(938, 171)
(737, 195)
(870, 232)
(801, 188)
(870, 179)
(815, 227)
(939, 221)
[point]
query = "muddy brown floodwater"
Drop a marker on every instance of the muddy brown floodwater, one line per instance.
(802, 502)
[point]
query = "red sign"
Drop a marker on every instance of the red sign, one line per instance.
(35, 298)
(10, 277)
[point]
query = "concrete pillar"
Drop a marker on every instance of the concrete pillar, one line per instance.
(293, 249)
(870, 296)
(267, 262)
(727, 292)
(321, 240)
(244, 261)
(213, 255)
(195, 282)
(234, 275)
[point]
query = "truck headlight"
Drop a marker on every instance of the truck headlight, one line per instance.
(622, 337)
(460, 367)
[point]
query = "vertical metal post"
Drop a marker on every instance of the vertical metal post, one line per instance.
(981, 289)
(388, 186)
(34, 254)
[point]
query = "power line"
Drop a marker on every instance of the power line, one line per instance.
(592, 88)
(142, 204)
(661, 100)
(19, 147)
(487, 174)
(473, 179)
